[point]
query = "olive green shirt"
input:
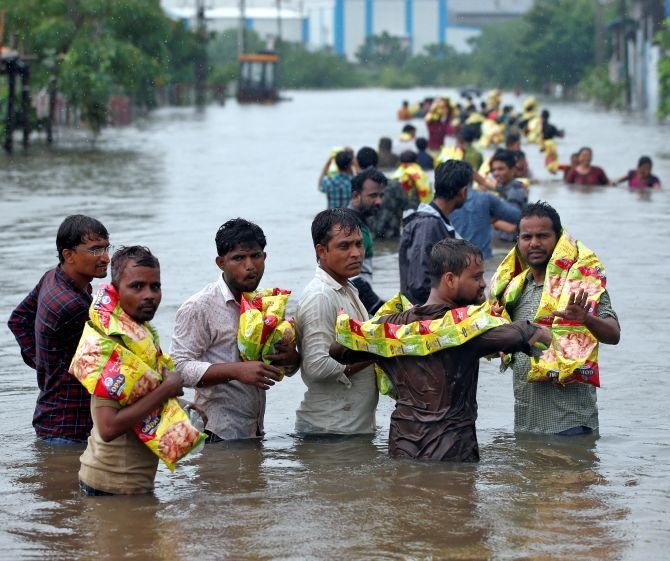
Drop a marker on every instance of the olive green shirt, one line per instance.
(542, 407)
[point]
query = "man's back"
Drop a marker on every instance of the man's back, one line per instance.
(473, 220)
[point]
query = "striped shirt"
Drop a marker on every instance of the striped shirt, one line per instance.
(541, 407)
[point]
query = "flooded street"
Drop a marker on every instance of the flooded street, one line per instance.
(168, 183)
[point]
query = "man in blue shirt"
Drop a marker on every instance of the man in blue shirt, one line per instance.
(337, 187)
(473, 220)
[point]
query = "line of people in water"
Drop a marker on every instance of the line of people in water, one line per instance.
(537, 307)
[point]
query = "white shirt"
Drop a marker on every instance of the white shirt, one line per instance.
(205, 333)
(333, 402)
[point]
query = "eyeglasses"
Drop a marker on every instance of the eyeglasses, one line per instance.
(96, 251)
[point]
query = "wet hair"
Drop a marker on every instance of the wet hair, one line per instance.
(343, 159)
(323, 223)
(542, 209)
(512, 138)
(507, 157)
(385, 144)
(519, 155)
(367, 157)
(238, 232)
(409, 129)
(468, 133)
(139, 255)
(450, 177)
(421, 143)
(644, 160)
(584, 148)
(75, 230)
(451, 256)
(369, 173)
(408, 156)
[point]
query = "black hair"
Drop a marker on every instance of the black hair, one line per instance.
(545, 114)
(644, 160)
(407, 156)
(137, 254)
(469, 133)
(343, 159)
(238, 232)
(409, 129)
(519, 155)
(323, 223)
(385, 143)
(507, 157)
(450, 177)
(75, 230)
(584, 148)
(369, 173)
(421, 143)
(451, 256)
(512, 138)
(367, 157)
(542, 209)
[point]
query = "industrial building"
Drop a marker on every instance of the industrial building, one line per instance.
(344, 25)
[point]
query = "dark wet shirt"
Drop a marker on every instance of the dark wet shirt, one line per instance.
(436, 410)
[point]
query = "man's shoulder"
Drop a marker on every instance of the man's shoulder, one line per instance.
(203, 298)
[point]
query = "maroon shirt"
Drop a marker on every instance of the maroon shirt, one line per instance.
(48, 325)
(595, 176)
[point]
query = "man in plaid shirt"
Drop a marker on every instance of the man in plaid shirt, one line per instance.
(337, 186)
(48, 325)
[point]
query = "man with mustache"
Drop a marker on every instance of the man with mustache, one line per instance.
(116, 461)
(436, 410)
(49, 322)
(230, 392)
(339, 400)
(367, 194)
(542, 407)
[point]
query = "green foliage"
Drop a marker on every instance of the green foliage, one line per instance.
(383, 50)
(557, 43)
(300, 68)
(498, 58)
(597, 86)
(663, 41)
(100, 47)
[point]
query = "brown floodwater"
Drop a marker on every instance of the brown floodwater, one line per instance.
(168, 183)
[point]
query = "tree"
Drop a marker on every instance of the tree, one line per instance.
(383, 50)
(101, 47)
(557, 41)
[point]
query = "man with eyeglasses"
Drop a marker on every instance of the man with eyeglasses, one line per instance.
(48, 325)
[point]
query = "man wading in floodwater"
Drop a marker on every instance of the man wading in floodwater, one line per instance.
(434, 417)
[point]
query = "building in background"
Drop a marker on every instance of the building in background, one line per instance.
(635, 57)
(344, 25)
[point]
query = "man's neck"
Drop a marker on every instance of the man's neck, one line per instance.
(435, 298)
(236, 293)
(81, 281)
(538, 275)
(445, 206)
(341, 280)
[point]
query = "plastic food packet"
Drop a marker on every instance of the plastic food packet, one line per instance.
(262, 325)
(573, 354)
(121, 359)
(169, 433)
(419, 338)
